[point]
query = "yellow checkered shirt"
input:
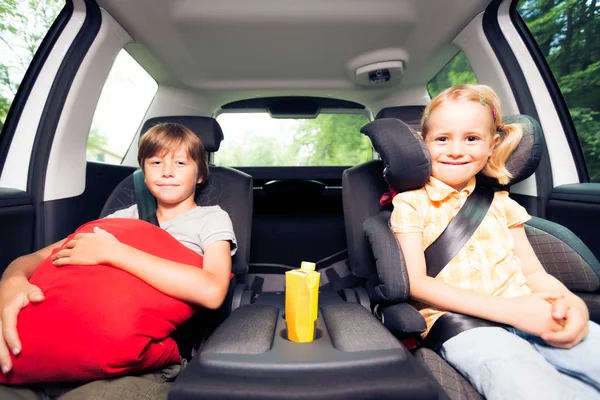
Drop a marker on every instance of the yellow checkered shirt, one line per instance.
(486, 264)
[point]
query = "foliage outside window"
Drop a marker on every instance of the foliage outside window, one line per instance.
(567, 32)
(23, 25)
(457, 72)
(125, 98)
(256, 139)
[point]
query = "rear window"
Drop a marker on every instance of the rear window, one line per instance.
(258, 140)
(457, 72)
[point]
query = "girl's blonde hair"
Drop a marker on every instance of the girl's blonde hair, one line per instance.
(510, 134)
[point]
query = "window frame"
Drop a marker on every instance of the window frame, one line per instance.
(29, 79)
(553, 89)
(315, 168)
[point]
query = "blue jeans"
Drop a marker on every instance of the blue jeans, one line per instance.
(511, 364)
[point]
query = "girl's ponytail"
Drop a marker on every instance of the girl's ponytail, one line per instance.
(496, 165)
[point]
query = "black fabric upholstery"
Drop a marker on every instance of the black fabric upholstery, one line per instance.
(564, 255)
(207, 128)
(362, 186)
(406, 160)
(353, 328)
(454, 384)
(410, 115)
(402, 319)
(226, 187)
(523, 162)
(392, 282)
(592, 301)
(122, 196)
(248, 330)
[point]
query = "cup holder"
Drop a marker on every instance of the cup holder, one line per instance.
(318, 335)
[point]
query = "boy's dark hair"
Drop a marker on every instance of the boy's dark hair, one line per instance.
(166, 138)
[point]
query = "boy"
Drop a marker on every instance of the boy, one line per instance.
(174, 162)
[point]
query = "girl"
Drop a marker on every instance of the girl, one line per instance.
(549, 351)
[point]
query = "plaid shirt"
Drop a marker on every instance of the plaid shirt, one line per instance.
(486, 264)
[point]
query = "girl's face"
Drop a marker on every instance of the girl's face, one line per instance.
(460, 141)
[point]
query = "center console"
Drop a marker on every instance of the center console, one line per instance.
(353, 356)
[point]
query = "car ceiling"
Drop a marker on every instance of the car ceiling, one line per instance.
(233, 49)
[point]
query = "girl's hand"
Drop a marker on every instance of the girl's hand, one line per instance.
(532, 313)
(559, 310)
(86, 249)
(575, 329)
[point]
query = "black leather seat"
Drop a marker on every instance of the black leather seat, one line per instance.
(374, 253)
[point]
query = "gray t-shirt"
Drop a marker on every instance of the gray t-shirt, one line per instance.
(196, 229)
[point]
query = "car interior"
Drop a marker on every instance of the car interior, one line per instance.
(289, 99)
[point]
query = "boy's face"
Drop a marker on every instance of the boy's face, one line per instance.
(172, 178)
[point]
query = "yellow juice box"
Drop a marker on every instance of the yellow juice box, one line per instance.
(301, 303)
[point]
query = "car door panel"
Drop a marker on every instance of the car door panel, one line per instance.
(63, 216)
(16, 225)
(577, 207)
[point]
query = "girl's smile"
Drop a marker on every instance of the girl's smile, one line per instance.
(460, 141)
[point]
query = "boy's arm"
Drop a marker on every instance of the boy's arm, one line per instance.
(530, 313)
(25, 266)
(15, 293)
(206, 287)
(570, 307)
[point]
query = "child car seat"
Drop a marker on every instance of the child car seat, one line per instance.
(227, 187)
(405, 166)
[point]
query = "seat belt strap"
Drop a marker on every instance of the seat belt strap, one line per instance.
(146, 202)
(443, 250)
(459, 230)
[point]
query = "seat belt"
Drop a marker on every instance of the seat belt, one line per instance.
(146, 202)
(443, 250)
(439, 253)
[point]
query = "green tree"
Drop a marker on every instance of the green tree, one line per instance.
(328, 140)
(457, 72)
(332, 139)
(567, 34)
(23, 25)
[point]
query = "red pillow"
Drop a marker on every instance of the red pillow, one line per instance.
(98, 321)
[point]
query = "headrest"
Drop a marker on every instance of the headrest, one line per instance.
(207, 128)
(410, 115)
(407, 163)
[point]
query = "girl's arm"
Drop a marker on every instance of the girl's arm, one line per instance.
(530, 313)
(570, 308)
(206, 287)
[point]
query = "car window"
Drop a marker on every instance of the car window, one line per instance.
(257, 140)
(457, 72)
(23, 25)
(566, 31)
(125, 98)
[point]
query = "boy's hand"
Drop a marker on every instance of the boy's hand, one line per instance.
(86, 249)
(15, 294)
(575, 327)
(532, 313)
